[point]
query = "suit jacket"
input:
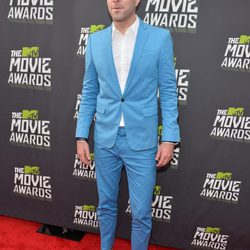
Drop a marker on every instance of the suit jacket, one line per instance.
(152, 69)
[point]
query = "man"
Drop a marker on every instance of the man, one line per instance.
(125, 66)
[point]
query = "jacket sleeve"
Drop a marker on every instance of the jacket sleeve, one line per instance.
(168, 91)
(89, 95)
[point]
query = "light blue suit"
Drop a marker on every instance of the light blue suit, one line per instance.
(152, 68)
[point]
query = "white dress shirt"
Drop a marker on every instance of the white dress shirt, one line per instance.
(123, 47)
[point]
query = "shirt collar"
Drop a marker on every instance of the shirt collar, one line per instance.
(134, 27)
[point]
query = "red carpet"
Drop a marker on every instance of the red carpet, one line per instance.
(20, 234)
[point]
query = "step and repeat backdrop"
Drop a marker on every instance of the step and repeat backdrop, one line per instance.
(201, 201)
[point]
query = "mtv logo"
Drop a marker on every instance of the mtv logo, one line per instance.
(92, 156)
(95, 28)
(30, 114)
(214, 230)
(157, 190)
(244, 39)
(88, 208)
(31, 170)
(235, 111)
(160, 130)
(224, 176)
(30, 52)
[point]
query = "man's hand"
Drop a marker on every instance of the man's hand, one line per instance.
(165, 154)
(83, 152)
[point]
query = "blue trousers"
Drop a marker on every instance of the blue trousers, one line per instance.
(140, 168)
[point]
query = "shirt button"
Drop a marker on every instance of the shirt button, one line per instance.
(122, 99)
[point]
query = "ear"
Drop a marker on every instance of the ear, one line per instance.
(137, 2)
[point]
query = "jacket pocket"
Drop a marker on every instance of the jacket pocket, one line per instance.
(100, 108)
(153, 110)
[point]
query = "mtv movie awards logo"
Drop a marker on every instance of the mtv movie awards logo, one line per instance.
(176, 15)
(174, 163)
(237, 54)
(221, 187)
(182, 77)
(31, 11)
(83, 171)
(29, 70)
(28, 182)
(231, 124)
(77, 106)
(86, 216)
(78, 101)
(161, 206)
(175, 160)
(210, 238)
(84, 35)
(27, 130)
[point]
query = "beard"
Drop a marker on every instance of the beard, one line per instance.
(121, 15)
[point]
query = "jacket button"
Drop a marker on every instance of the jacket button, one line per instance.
(122, 99)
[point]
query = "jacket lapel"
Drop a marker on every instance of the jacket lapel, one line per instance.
(138, 49)
(110, 60)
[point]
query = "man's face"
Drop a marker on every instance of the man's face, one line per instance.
(122, 10)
